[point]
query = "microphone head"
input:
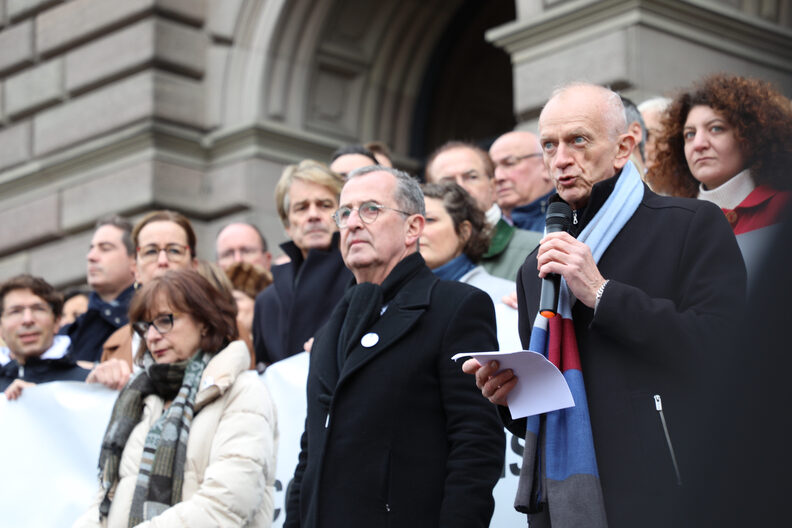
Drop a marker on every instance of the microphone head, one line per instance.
(559, 217)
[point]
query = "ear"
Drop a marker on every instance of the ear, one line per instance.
(133, 266)
(465, 229)
(413, 229)
(624, 147)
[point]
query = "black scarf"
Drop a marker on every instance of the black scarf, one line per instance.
(362, 304)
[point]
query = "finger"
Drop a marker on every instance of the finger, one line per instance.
(471, 366)
(500, 397)
(496, 382)
(485, 372)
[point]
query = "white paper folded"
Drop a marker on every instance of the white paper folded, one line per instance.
(540, 385)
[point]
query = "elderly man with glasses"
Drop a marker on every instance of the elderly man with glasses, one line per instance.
(30, 311)
(394, 432)
(522, 182)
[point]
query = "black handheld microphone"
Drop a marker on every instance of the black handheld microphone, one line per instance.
(559, 218)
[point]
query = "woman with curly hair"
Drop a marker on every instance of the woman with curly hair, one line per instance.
(729, 141)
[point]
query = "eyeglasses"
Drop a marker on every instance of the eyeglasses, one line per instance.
(511, 161)
(162, 323)
(38, 311)
(173, 252)
(245, 251)
(367, 212)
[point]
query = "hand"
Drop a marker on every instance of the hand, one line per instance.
(510, 300)
(308, 345)
(494, 385)
(14, 390)
(113, 373)
(560, 253)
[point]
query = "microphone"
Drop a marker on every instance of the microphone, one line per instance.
(559, 218)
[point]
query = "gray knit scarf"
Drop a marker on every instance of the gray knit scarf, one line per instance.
(160, 478)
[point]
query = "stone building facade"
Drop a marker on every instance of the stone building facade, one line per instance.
(124, 106)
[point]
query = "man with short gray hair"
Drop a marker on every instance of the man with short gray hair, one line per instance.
(394, 432)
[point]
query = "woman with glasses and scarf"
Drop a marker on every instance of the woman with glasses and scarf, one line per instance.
(192, 437)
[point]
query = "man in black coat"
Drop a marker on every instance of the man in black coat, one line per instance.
(305, 289)
(396, 434)
(110, 269)
(650, 317)
(30, 311)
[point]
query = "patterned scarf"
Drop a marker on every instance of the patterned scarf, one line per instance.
(559, 464)
(161, 472)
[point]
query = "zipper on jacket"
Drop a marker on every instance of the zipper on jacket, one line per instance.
(327, 420)
(574, 217)
(659, 407)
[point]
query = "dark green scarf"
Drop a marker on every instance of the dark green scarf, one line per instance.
(161, 471)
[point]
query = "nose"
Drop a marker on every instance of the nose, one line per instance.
(562, 157)
(152, 334)
(162, 259)
(700, 141)
(237, 255)
(91, 255)
(27, 315)
(354, 221)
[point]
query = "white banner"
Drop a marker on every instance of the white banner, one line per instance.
(51, 436)
(50, 442)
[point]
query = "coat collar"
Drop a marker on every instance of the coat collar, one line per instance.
(400, 316)
(221, 372)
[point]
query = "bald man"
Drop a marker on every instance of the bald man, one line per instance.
(654, 288)
(522, 183)
(241, 242)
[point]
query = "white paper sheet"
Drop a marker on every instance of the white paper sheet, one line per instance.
(540, 385)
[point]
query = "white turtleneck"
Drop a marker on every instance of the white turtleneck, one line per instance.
(493, 214)
(730, 194)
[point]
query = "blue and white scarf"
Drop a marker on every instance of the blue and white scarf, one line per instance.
(562, 473)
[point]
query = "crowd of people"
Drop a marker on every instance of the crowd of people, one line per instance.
(676, 206)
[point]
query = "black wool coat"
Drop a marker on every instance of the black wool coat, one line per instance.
(671, 308)
(298, 302)
(399, 435)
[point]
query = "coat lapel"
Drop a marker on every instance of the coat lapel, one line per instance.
(403, 312)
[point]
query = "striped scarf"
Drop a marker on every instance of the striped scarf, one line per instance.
(559, 468)
(161, 471)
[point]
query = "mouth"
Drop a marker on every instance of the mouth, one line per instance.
(565, 181)
(29, 337)
(704, 159)
(159, 353)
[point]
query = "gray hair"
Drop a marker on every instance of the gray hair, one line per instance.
(632, 114)
(655, 103)
(408, 195)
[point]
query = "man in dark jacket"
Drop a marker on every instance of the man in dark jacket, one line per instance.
(395, 434)
(110, 267)
(30, 311)
(648, 310)
(305, 289)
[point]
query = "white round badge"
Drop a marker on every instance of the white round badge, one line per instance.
(369, 340)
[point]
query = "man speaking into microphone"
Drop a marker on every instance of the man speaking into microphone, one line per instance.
(652, 290)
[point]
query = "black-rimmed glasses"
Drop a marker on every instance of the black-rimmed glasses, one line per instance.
(368, 213)
(173, 252)
(162, 323)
